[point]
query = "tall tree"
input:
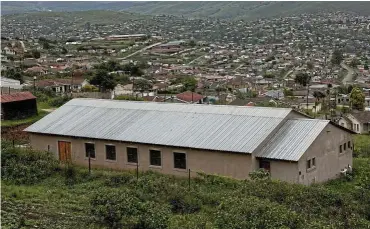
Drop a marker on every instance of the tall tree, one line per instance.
(337, 57)
(190, 84)
(354, 63)
(302, 79)
(104, 80)
(357, 99)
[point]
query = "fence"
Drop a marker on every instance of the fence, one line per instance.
(9, 90)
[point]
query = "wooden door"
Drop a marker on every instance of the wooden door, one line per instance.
(64, 151)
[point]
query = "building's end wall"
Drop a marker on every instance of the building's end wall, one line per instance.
(328, 160)
(211, 162)
(284, 170)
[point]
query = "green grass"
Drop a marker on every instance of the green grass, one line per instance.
(30, 120)
(362, 145)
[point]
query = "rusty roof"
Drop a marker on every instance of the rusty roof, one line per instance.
(15, 97)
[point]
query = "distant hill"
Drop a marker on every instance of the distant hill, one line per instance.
(80, 17)
(247, 10)
(222, 10)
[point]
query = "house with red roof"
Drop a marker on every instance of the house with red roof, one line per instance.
(18, 105)
(191, 97)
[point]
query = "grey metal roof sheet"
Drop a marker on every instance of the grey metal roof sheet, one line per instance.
(293, 139)
(224, 128)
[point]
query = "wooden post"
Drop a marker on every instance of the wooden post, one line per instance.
(189, 179)
(89, 164)
(137, 170)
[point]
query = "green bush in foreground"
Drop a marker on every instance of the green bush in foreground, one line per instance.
(26, 166)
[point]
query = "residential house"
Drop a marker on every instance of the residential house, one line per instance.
(172, 138)
(357, 121)
(37, 70)
(62, 85)
(191, 97)
(18, 105)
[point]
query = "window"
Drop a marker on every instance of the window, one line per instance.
(313, 162)
(308, 164)
(155, 157)
(131, 155)
(340, 149)
(349, 144)
(179, 160)
(344, 146)
(110, 151)
(90, 150)
(358, 128)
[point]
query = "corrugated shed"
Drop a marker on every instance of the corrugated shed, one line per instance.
(293, 139)
(224, 128)
(15, 97)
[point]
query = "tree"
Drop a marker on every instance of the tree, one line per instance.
(318, 95)
(104, 80)
(64, 50)
(142, 85)
(190, 83)
(302, 79)
(36, 54)
(310, 65)
(354, 63)
(357, 99)
(46, 45)
(337, 57)
(13, 74)
(366, 66)
(192, 43)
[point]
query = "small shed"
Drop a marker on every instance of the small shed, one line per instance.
(18, 105)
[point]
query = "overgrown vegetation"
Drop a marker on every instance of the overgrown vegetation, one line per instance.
(38, 192)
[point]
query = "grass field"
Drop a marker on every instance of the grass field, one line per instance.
(68, 200)
(30, 120)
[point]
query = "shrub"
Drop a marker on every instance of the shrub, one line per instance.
(118, 208)
(260, 174)
(251, 212)
(26, 166)
(114, 208)
(59, 101)
(191, 221)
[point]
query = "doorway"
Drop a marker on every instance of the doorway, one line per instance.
(64, 149)
(265, 165)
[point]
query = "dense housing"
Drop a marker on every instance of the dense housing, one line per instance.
(172, 138)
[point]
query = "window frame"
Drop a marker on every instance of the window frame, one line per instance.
(313, 162)
(186, 160)
(137, 155)
(340, 149)
(308, 164)
(115, 151)
(345, 146)
(86, 156)
(150, 158)
(349, 144)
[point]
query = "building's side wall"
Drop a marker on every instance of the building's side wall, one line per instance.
(345, 124)
(210, 162)
(355, 124)
(284, 170)
(328, 160)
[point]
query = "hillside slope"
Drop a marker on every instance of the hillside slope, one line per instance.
(222, 10)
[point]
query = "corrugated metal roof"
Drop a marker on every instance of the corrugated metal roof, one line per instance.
(293, 139)
(18, 96)
(224, 128)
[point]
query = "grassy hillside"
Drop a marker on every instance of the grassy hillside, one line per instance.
(247, 10)
(37, 192)
(93, 16)
(224, 10)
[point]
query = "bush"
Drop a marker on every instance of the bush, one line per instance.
(59, 101)
(118, 208)
(26, 166)
(114, 208)
(128, 97)
(251, 212)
